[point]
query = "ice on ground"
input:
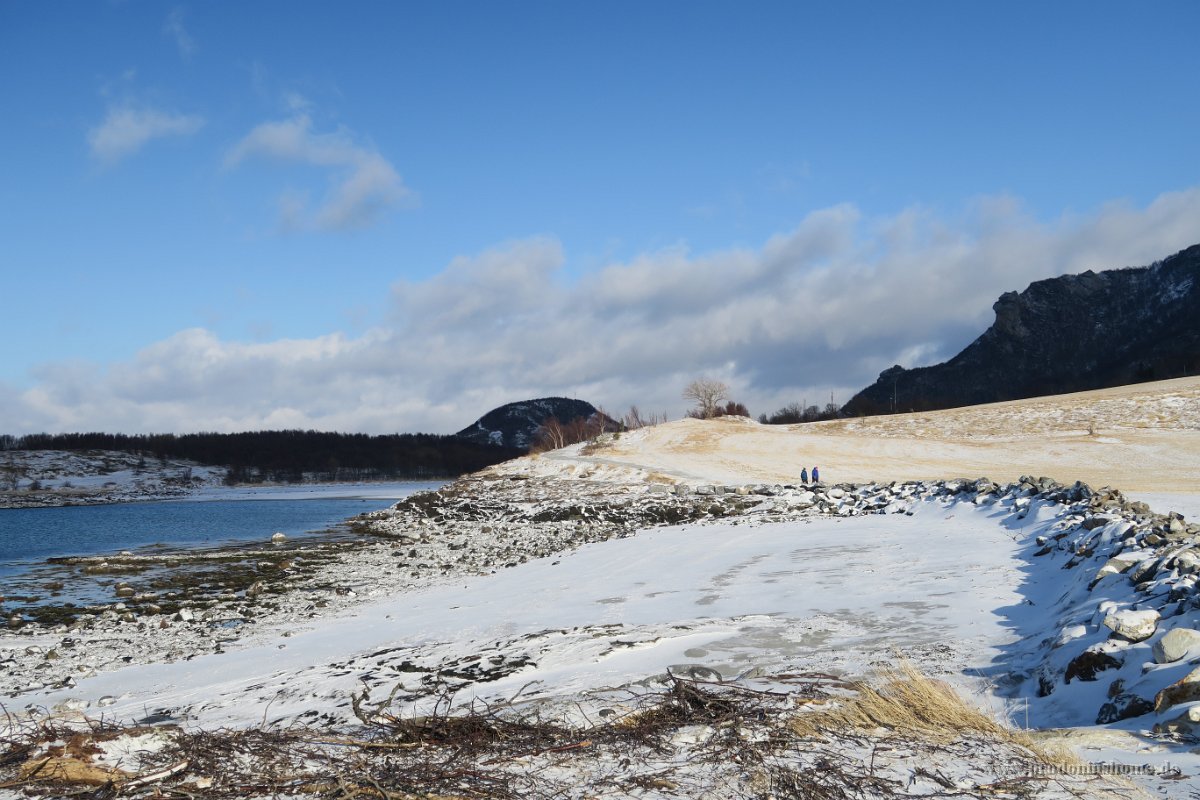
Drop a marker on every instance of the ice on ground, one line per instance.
(828, 594)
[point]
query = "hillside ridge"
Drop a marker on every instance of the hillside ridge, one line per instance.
(1067, 334)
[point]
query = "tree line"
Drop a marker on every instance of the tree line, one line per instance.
(292, 455)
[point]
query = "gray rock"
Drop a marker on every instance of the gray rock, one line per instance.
(1136, 626)
(1175, 644)
(1144, 571)
(1119, 563)
(1188, 562)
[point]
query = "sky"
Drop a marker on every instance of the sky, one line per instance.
(395, 216)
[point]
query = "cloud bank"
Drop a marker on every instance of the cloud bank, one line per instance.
(820, 308)
(365, 183)
(127, 129)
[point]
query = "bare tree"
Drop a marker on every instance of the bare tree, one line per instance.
(635, 419)
(707, 394)
(551, 435)
(12, 474)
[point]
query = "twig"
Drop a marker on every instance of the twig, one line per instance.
(155, 777)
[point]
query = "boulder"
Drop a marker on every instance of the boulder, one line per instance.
(1184, 690)
(1175, 644)
(1123, 706)
(1120, 563)
(1188, 562)
(1136, 626)
(1144, 571)
(1087, 664)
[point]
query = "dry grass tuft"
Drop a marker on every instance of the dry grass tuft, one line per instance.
(907, 701)
(910, 703)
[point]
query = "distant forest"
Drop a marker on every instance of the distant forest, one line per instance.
(292, 456)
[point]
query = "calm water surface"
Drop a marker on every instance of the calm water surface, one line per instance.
(28, 536)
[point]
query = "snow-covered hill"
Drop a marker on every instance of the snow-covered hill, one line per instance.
(1141, 438)
(59, 477)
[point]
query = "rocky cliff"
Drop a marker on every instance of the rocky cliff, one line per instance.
(1066, 334)
(515, 424)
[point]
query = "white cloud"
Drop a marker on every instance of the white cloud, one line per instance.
(173, 27)
(366, 184)
(820, 308)
(126, 129)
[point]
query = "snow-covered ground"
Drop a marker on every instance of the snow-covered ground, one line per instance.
(822, 594)
(524, 587)
(952, 579)
(59, 477)
(1142, 438)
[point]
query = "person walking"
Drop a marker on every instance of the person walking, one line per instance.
(816, 476)
(804, 475)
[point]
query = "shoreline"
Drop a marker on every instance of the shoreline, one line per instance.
(475, 526)
(67, 584)
(483, 528)
(24, 499)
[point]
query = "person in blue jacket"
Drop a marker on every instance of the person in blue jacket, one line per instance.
(816, 476)
(804, 475)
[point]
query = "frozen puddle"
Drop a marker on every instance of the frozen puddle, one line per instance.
(822, 594)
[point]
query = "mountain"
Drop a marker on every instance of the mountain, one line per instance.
(515, 424)
(1060, 335)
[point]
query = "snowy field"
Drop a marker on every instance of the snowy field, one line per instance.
(1142, 438)
(995, 590)
(822, 595)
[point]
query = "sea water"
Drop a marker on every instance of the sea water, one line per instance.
(28, 536)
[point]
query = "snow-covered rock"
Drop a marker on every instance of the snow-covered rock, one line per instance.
(1136, 626)
(1175, 644)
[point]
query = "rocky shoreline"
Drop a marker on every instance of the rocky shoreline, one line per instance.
(1127, 565)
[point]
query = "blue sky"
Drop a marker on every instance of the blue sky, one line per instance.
(392, 216)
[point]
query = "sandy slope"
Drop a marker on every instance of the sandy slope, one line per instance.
(1142, 438)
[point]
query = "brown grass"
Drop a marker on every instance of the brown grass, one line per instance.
(911, 704)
